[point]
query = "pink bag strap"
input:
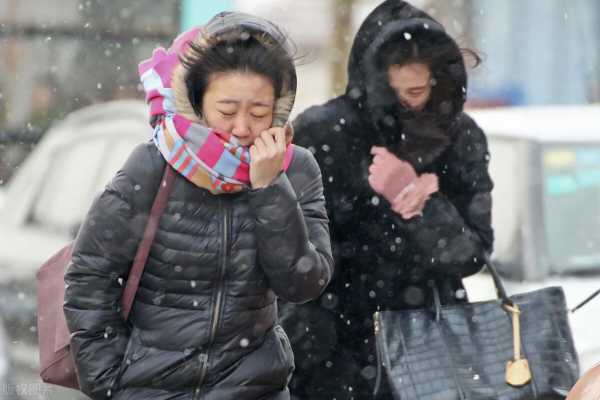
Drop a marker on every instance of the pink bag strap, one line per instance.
(158, 207)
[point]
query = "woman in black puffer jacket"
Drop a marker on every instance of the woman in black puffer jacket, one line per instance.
(245, 223)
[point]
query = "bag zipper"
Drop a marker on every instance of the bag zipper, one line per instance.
(218, 303)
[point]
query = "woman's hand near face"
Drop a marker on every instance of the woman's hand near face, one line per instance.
(266, 157)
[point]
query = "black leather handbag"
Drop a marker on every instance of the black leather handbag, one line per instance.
(517, 347)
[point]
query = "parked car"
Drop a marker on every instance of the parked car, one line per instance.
(43, 206)
(545, 163)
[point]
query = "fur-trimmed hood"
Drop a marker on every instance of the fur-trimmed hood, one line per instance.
(228, 25)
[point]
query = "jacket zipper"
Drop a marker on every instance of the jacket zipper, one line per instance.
(216, 315)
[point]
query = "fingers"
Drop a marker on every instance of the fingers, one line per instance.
(382, 158)
(268, 155)
(378, 150)
(381, 154)
(280, 139)
(268, 138)
(408, 214)
(412, 215)
(274, 140)
(268, 142)
(407, 189)
(404, 208)
(378, 159)
(397, 208)
(409, 203)
(431, 182)
(411, 208)
(260, 148)
(373, 183)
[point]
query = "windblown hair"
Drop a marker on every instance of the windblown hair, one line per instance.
(239, 51)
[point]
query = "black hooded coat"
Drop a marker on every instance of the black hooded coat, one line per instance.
(383, 261)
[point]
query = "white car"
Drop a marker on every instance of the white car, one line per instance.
(44, 204)
(545, 163)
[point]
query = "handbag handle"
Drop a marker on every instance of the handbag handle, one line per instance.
(500, 291)
(499, 286)
(139, 262)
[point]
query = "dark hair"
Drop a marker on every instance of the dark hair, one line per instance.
(243, 52)
(445, 60)
(430, 53)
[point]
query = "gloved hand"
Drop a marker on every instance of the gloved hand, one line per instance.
(389, 175)
(410, 202)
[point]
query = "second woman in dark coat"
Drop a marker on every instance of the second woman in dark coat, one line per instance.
(408, 194)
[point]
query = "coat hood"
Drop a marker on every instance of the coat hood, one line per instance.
(397, 24)
(231, 25)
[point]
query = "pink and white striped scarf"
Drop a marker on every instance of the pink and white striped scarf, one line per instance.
(207, 158)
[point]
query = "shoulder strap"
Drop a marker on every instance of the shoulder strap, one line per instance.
(500, 291)
(158, 207)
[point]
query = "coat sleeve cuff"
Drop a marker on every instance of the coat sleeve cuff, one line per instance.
(275, 204)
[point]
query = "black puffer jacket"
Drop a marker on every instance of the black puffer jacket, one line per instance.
(204, 320)
(240, 251)
(383, 261)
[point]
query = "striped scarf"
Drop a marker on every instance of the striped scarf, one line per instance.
(209, 159)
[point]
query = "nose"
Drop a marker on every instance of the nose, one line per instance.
(241, 127)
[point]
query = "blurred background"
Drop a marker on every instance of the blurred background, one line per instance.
(535, 94)
(61, 55)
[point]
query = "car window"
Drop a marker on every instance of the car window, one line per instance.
(69, 185)
(572, 204)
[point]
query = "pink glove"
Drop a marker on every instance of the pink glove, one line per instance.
(389, 175)
(411, 201)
